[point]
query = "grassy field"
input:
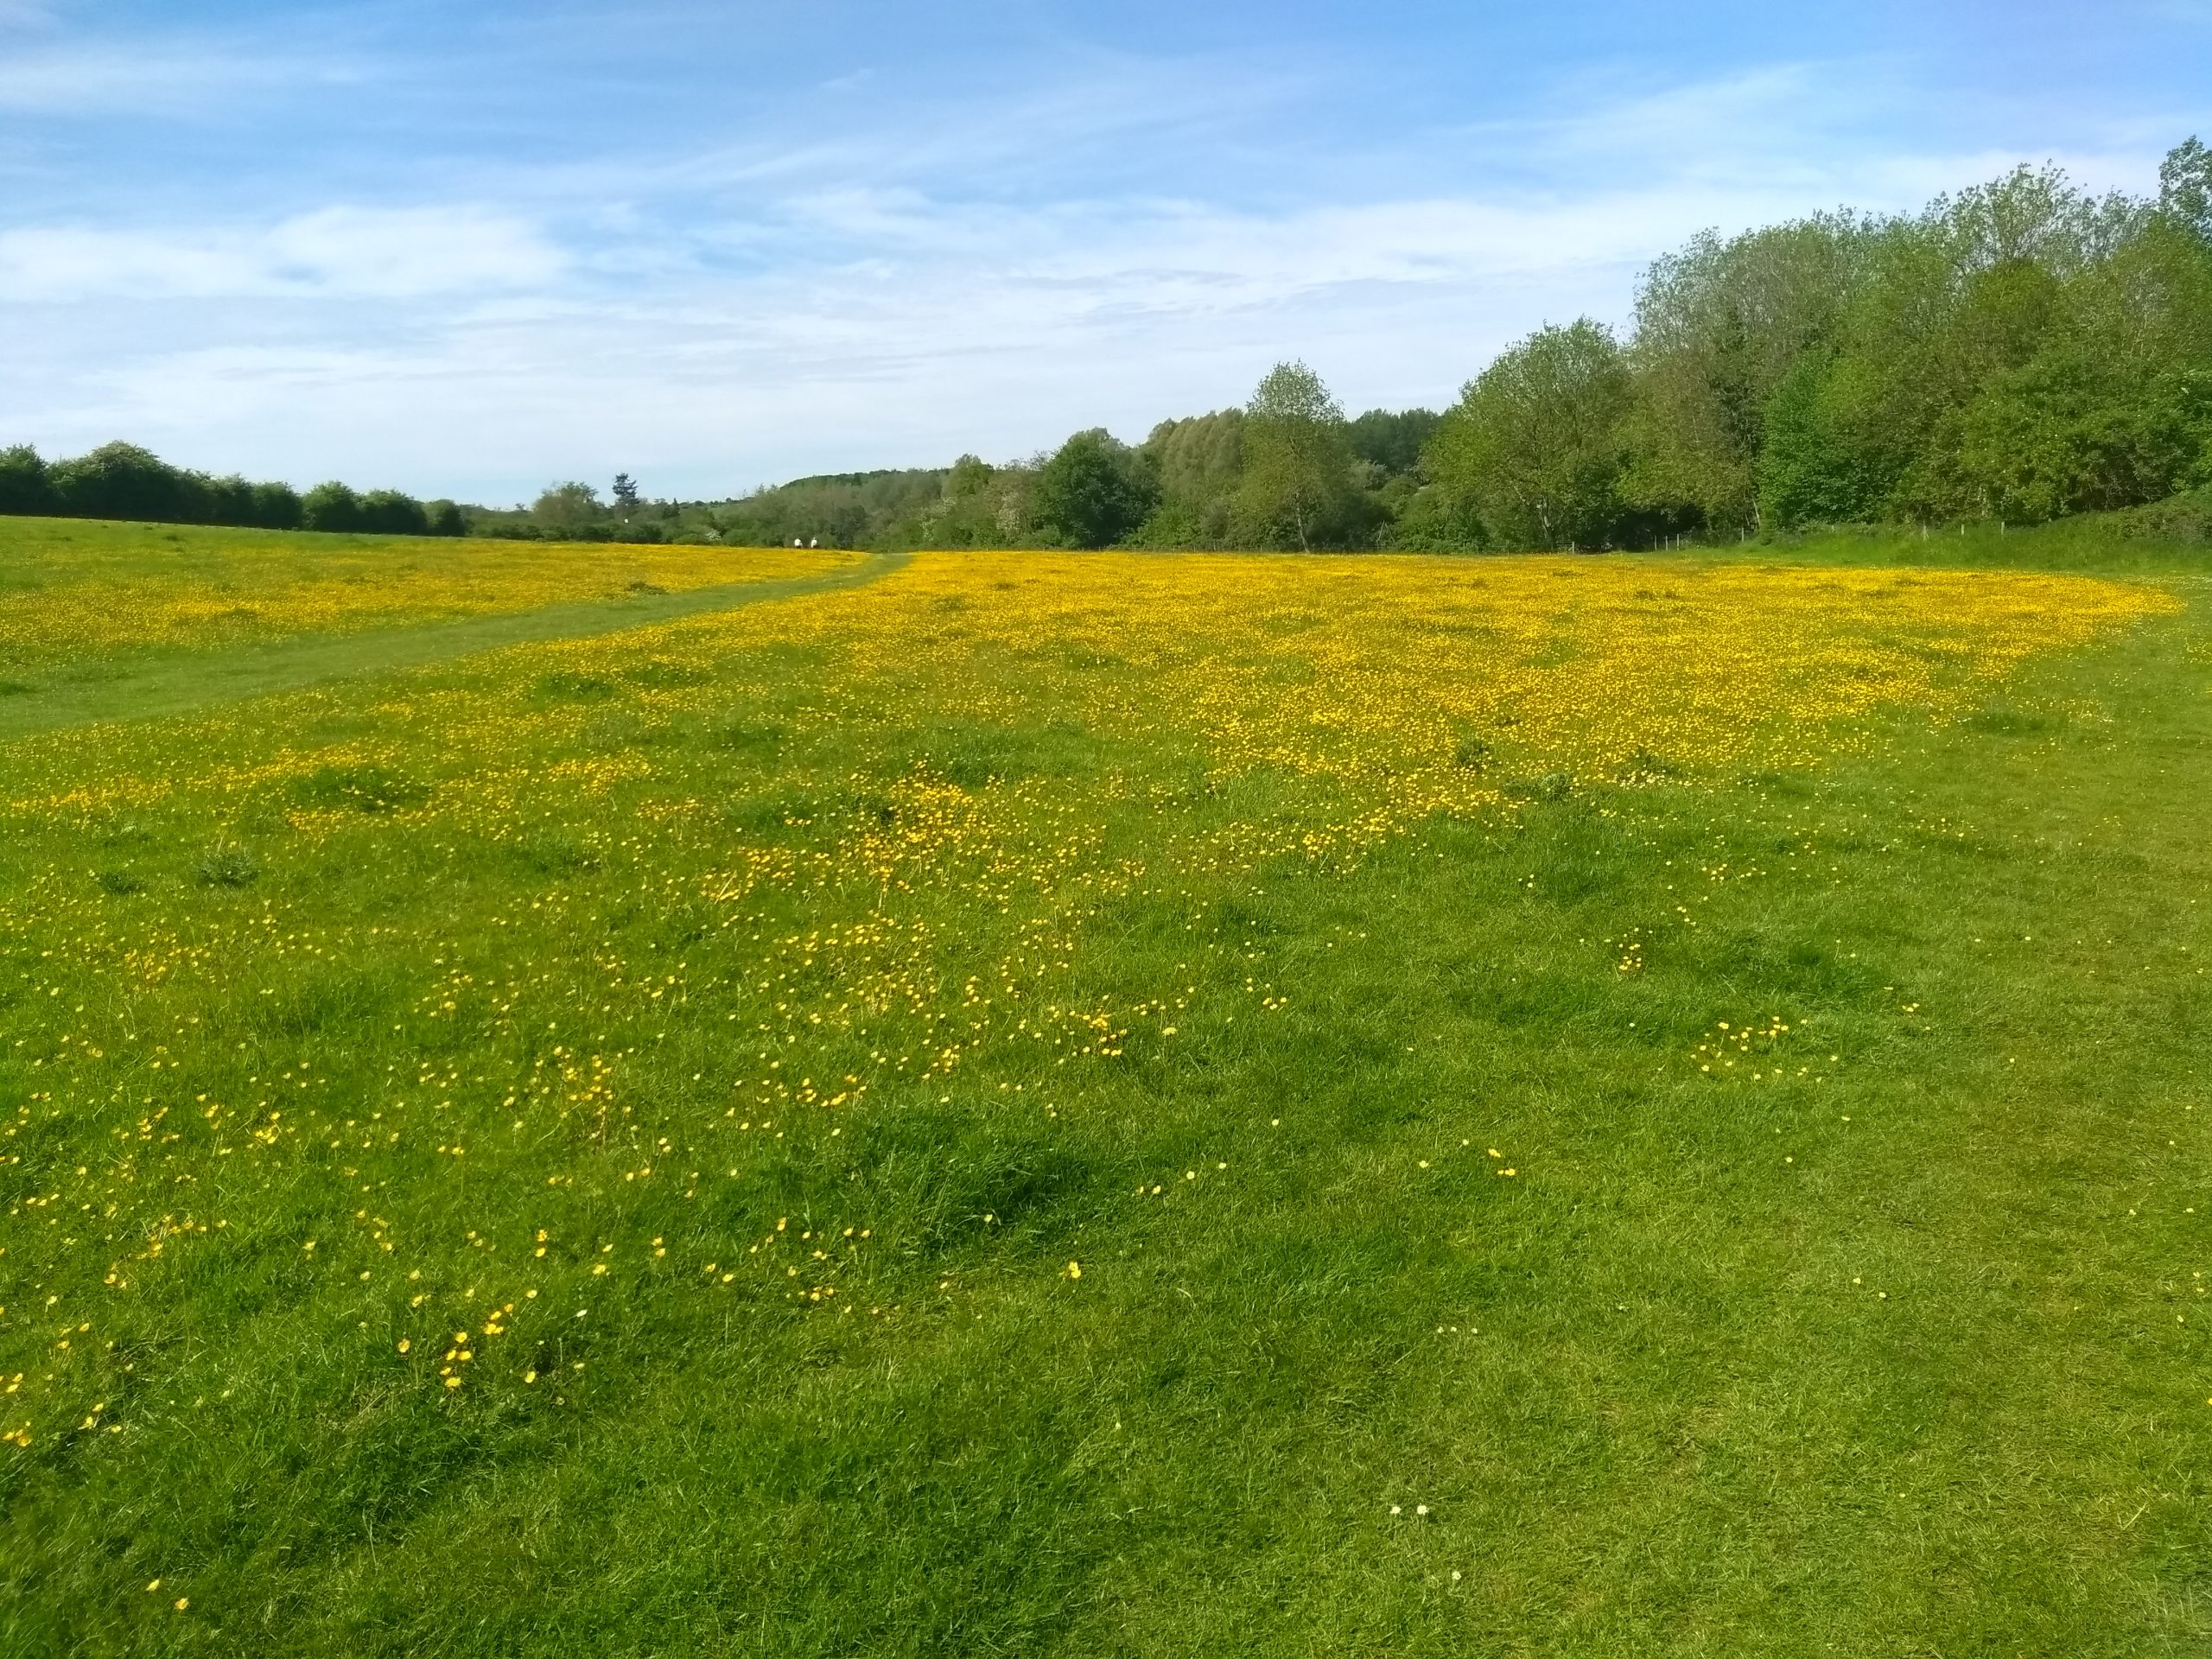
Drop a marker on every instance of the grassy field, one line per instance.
(1124, 1104)
(75, 591)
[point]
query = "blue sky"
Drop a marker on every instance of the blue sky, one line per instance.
(467, 249)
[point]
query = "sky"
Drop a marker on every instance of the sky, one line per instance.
(466, 249)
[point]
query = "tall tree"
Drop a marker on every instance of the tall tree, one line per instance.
(566, 509)
(1717, 326)
(391, 512)
(1199, 463)
(1534, 445)
(122, 480)
(1830, 455)
(1297, 458)
(2185, 186)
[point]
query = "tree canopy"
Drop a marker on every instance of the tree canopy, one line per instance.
(1533, 448)
(1297, 478)
(1095, 490)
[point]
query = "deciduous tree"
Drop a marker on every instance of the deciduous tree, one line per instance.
(1534, 447)
(1297, 461)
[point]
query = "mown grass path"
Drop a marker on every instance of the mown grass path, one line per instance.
(150, 685)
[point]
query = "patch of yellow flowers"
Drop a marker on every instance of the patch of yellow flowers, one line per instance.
(96, 593)
(1412, 685)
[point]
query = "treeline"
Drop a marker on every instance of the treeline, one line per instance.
(121, 481)
(2016, 353)
(1190, 484)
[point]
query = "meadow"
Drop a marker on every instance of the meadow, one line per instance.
(1104, 1103)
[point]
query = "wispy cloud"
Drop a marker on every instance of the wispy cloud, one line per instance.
(334, 253)
(105, 80)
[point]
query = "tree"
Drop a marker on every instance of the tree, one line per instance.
(2071, 431)
(1199, 463)
(122, 480)
(445, 518)
(24, 487)
(1094, 490)
(389, 512)
(332, 506)
(970, 475)
(1297, 471)
(1533, 447)
(274, 506)
(566, 509)
(625, 495)
(2185, 186)
(1828, 456)
(1718, 326)
(1391, 442)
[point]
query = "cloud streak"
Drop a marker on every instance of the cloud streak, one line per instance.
(336, 253)
(167, 79)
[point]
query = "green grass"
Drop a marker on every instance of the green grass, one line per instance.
(1902, 1351)
(147, 684)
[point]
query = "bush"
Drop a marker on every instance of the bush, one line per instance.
(121, 481)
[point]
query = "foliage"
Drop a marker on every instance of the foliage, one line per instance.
(565, 509)
(836, 510)
(1827, 456)
(121, 481)
(1094, 491)
(332, 506)
(2018, 352)
(1533, 450)
(124, 481)
(1296, 485)
(1391, 440)
(2185, 186)
(25, 487)
(1199, 461)
(1719, 328)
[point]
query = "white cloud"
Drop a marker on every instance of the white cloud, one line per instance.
(334, 252)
